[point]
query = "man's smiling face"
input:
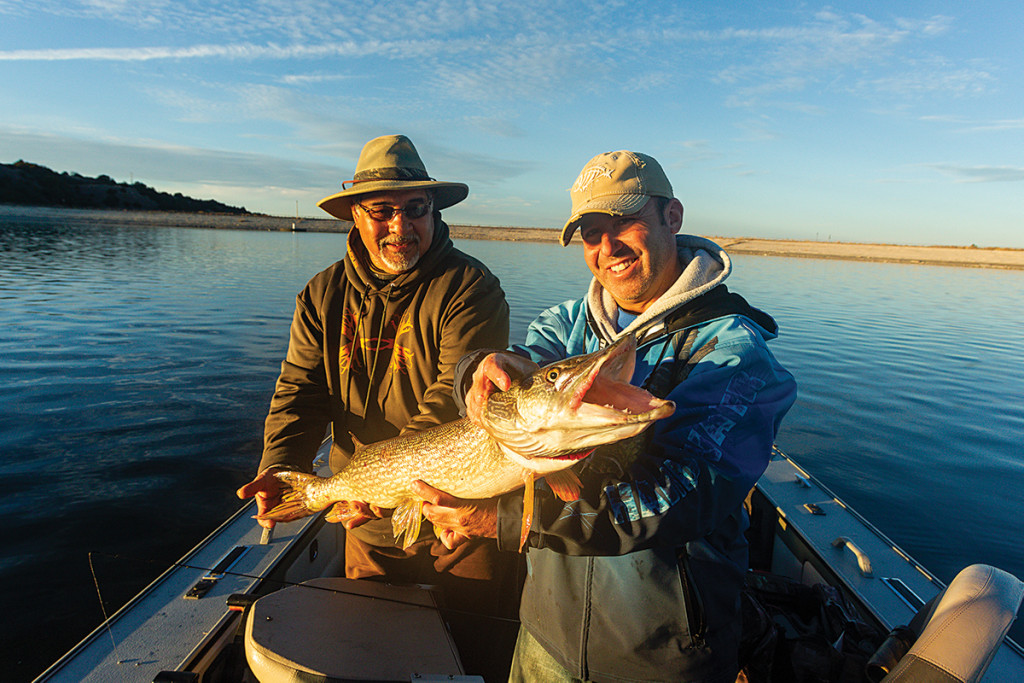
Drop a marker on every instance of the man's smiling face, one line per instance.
(634, 257)
(395, 244)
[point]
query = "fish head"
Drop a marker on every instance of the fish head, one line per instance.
(557, 414)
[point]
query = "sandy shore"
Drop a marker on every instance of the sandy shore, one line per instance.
(973, 257)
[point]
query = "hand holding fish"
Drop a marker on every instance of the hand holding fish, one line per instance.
(267, 489)
(496, 372)
(456, 520)
(540, 426)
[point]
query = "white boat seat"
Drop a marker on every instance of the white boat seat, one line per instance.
(335, 629)
(963, 630)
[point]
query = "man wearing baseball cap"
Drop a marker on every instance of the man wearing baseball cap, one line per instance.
(639, 579)
(374, 342)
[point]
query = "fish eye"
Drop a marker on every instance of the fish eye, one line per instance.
(552, 375)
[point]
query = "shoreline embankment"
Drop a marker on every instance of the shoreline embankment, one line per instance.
(970, 257)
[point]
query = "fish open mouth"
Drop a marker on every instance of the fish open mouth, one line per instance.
(560, 413)
(606, 394)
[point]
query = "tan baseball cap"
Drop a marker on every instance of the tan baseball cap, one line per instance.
(391, 163)
(615, 183)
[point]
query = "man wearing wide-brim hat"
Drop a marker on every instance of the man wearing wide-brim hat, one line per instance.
(374, 343)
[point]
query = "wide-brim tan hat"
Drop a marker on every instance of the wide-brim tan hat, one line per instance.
(391, 163)
(617, 184)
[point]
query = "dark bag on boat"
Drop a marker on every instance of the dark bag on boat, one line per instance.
(794, 633)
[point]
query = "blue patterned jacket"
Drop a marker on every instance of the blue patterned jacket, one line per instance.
(639, 580)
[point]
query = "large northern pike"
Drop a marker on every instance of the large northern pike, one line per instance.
(540, 426)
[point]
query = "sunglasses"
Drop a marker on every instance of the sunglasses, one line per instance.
(384, 214)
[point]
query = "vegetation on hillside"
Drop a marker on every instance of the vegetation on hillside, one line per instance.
(30, 184)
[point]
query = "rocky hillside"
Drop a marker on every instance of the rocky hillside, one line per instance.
(29, 184)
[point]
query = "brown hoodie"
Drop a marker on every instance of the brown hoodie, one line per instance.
(409, 332)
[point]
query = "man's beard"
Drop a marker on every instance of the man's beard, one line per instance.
(402, 261)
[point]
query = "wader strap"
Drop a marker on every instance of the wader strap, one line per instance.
(666, 376)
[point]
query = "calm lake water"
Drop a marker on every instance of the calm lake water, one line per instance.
(137, 365)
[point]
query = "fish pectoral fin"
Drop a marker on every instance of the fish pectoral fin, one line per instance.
(406, 520)
(565, 484)
(527, 509)
(344, 511)
(338, 513)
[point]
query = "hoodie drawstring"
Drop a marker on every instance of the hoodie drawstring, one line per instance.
(357, 339)
(380, 335)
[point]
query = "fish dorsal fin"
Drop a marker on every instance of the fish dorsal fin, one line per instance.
(527, 508)
(564, 484)
(406, 520)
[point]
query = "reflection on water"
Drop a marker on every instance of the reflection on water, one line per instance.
(137, 364)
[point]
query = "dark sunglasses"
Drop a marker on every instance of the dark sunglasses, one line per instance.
(384, 214)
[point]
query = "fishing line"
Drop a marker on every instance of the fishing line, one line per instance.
(103, 608)
(287, 584)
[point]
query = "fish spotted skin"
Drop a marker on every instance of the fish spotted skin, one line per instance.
(541, 426)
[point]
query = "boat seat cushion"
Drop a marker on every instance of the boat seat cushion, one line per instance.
(966, 626)
(343, 629)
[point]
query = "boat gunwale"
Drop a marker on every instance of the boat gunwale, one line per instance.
(1008, 642)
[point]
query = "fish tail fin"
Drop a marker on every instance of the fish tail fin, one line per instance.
(406, 521)
(296, 497)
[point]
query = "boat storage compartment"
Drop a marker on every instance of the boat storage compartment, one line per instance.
(350, 630)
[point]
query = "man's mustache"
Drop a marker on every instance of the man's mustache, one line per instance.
(397, 240)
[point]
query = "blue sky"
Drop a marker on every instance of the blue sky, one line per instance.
(893, 122)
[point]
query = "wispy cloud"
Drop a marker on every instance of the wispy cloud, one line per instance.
(248, 51)
(975, 126)
(943, 118)
(489, 56)
(315, 78)
(1003, 124)
(967, 125)
(842, 53)
(937, 76)
(828, 41)
(981, 174)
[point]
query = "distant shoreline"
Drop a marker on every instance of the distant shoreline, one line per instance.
(970, 257)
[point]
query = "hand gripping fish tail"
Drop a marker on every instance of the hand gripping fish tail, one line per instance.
(297, 497)
(540, 427)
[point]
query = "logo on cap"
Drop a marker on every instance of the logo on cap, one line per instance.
(589, 175)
